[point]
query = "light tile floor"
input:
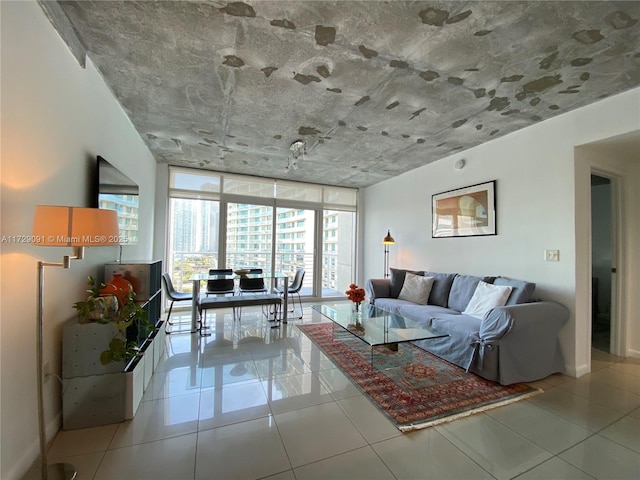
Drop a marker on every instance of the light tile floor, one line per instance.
(253, 402)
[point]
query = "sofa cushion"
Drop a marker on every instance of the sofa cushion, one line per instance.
(458, 325)
(397, 280)
(522, 291)
(440, 289)
(416, 288)
(462, 289)
(390, 304)
(412, 310)
(485, 298)
(421, 313)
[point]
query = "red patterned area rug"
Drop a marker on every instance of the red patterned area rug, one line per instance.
(414, 388)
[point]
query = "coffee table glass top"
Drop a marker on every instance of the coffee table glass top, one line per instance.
(376, 326)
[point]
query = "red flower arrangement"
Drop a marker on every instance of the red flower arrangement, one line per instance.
(355, 294)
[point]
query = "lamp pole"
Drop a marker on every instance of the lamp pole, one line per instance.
(63, 226)
(386, 241)
(57, 470)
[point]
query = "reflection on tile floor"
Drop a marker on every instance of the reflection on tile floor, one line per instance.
(253, 402)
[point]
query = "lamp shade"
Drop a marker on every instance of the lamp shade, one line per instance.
(388, 240)
(59, 226)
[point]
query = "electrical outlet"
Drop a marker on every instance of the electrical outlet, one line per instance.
(552, 255)
(46, 370)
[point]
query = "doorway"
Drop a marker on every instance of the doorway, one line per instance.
(603, 266)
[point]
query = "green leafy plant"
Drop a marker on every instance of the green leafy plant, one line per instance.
(86, 308)
(120, 349)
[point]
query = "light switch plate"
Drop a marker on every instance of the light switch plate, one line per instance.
(552, 255)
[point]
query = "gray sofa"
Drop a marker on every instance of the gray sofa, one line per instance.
(517, 342)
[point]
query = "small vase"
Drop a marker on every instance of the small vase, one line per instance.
(356, 308)
(110, 306)
(96, 311)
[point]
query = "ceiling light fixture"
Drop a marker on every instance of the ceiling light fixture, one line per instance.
(298, 150)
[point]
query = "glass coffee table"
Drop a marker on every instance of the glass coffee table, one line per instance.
(376, 326)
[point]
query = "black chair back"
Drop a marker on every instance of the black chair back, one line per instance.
(220, 271)
(248, 284)
(220, 285)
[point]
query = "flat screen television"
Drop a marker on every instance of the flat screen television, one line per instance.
(118, 192)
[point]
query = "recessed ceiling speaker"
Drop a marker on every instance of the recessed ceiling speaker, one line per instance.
(459, 165)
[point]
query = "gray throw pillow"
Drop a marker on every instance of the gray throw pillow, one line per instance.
(462, 289)
(397, 280)
(416, 288)
(440, 289)
(522, 291)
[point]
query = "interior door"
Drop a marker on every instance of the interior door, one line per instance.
(603, 267)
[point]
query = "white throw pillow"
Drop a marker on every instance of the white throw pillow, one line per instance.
(486, 297)
(416, 288)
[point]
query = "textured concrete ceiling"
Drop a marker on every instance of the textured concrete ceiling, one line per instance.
(375, 89)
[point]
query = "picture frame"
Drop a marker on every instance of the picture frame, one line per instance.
(465, 212)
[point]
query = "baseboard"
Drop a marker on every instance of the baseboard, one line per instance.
(581, 370)
(578, 371)
(31, 454)
(633, 353)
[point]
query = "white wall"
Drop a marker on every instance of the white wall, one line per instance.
(536, 210)
(56, 117)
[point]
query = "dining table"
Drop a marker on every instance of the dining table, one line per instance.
(276, 279)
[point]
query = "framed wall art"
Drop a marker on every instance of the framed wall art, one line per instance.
(465, 212)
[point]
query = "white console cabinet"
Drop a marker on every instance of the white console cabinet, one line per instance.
(96, 394)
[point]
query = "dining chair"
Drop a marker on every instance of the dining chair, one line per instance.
(220, 286)
(295, 287)
(252, 285)
(174, 296)
(217, 286)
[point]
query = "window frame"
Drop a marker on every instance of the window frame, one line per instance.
(330, 199)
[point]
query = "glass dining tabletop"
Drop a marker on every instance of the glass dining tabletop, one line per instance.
(206, 276)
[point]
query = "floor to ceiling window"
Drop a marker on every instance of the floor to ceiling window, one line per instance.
(194, 225)
(338, 240)
(249, 236)
(220, 220)
(193, 243)
(295, 244)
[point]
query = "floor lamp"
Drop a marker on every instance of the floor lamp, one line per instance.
(388, 240)
(77, 227)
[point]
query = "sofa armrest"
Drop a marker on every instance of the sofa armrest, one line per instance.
(377, 288)
(522, 318)
(526, 336)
